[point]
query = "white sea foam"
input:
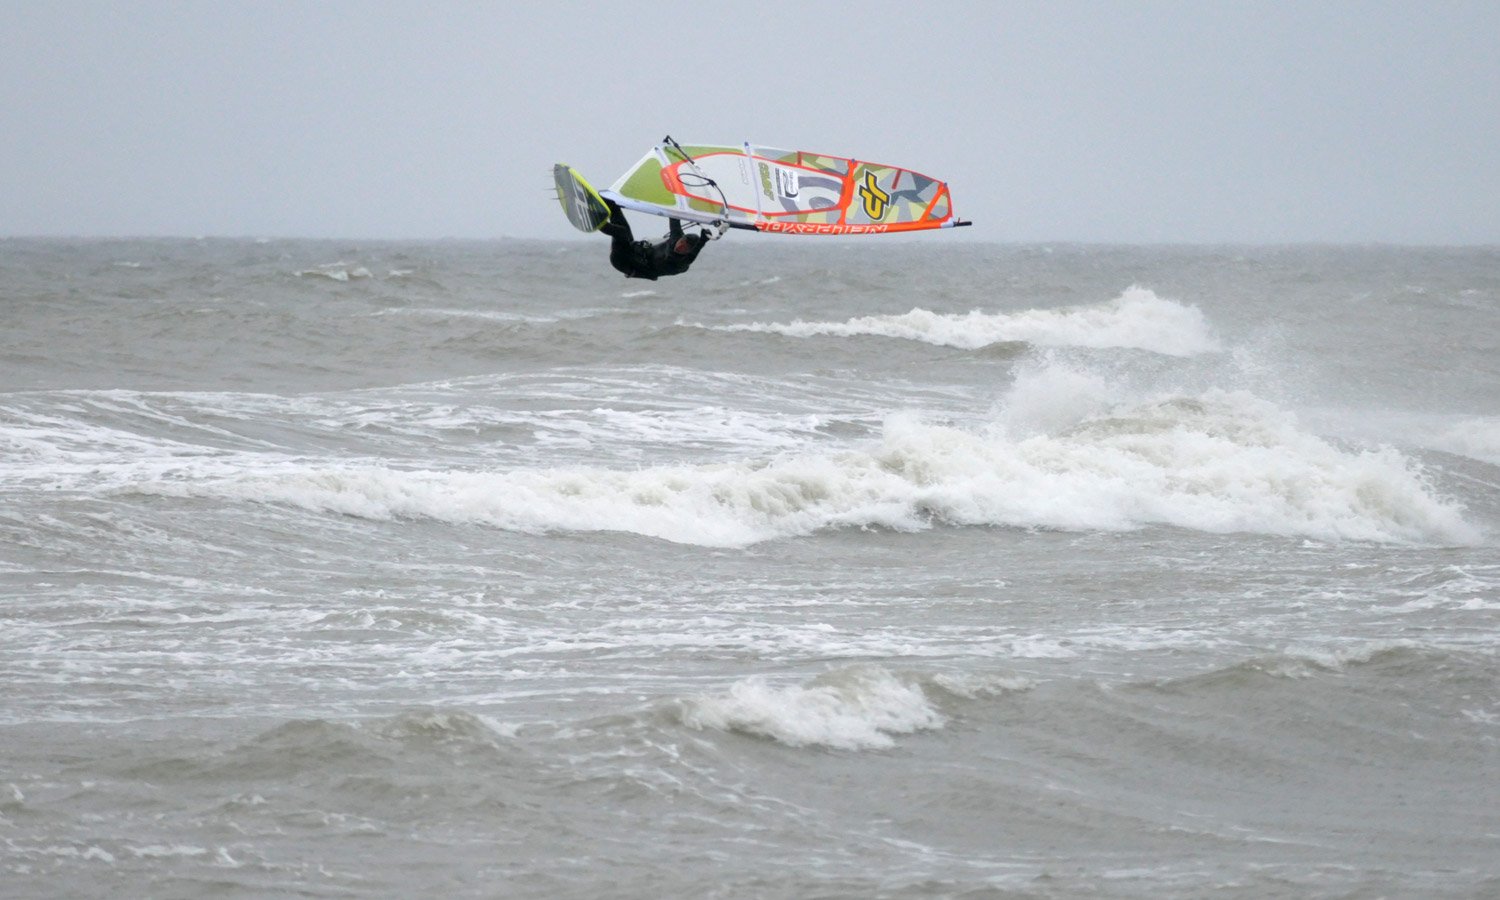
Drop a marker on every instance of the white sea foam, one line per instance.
(1137, 319)
(856, 708)
(973, 686)
(159, 851)
(1218, 462)
(493, 315)
(337, 271)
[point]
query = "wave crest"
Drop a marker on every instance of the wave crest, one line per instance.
(855, 708)
(1138, 320)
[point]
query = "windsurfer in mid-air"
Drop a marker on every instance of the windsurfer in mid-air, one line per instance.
(643, 259)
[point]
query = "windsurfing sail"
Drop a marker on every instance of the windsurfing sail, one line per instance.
(785, 191)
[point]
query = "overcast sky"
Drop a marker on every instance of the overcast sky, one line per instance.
(1132, 122)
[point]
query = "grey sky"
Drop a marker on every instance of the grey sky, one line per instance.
(1104, 121)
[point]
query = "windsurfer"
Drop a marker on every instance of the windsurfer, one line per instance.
(643, 259)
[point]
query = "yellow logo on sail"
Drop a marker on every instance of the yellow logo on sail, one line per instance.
(876, 200)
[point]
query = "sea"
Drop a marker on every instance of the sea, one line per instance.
(833, 568)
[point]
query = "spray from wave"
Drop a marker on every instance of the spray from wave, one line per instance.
(1476, 438)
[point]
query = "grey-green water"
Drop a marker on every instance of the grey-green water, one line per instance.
(846, 570)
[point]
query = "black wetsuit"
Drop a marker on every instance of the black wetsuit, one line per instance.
(643, 259)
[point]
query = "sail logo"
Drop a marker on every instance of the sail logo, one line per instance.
(786, 182)
(876, 200)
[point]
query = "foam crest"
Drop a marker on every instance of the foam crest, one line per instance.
(721, 505)
(336, 271)
(1138, 319)
(1219, 462)
(1299, 661)
(856, 708)
(1313, 661)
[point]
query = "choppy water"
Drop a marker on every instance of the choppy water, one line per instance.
(839, 570)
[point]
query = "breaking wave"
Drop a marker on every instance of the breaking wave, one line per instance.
(857, 708)
(860, 707)
(1216, 462)
(1138, 319)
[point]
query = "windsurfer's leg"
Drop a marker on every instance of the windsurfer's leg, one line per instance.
(618, 229)
(621, 239)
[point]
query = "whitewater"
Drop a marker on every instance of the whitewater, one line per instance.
(850, 569)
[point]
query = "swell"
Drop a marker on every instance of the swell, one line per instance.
(1292, 770)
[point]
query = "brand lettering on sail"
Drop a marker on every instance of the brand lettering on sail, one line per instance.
(819, 228)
